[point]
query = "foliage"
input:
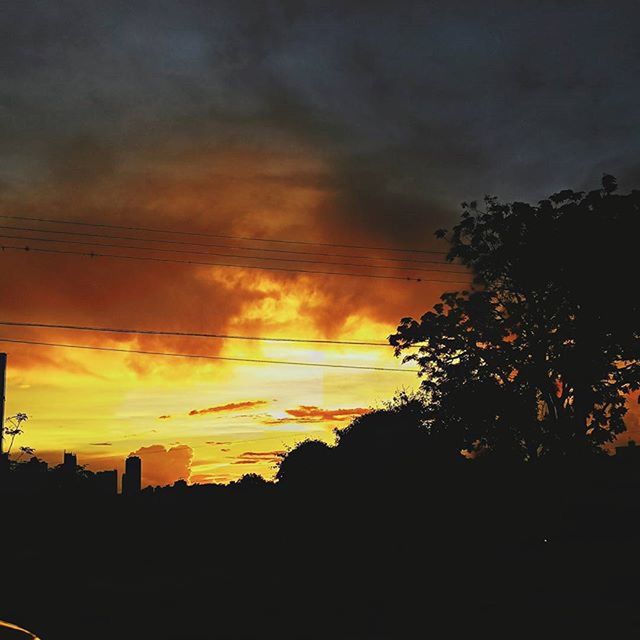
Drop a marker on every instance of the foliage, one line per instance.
(308, 462)
(250, 481)
(392, 437)
(14, 427)
(539, 358)
(390, 442)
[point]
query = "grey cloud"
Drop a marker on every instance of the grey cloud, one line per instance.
(413, 106)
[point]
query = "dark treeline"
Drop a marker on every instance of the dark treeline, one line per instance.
(471, 546)
(486, 503)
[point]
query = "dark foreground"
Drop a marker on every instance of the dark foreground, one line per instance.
(510, 553)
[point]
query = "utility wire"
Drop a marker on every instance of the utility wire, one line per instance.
(215, 235)
(206, 357)
(219, 255)
(223, 264)
(189, 334)
(231, 247)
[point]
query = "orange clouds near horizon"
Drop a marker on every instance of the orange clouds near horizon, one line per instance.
(162, 465)
(259, 457)
(310, 414)
(230, 406)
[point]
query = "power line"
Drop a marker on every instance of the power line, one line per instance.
(216, 235)
(232, 247)
(222, 264)
(94, 254)
(206, 357)
(189, 334)
(218, 255)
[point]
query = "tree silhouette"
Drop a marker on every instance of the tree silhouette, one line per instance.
(540, 357)
(14, 427)
(25, 451)
(394, 438)
(390, 443)
(250, 482)
(307, 464)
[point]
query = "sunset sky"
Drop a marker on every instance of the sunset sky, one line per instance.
(366, 125)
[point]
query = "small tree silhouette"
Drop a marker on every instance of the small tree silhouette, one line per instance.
(26, 451)
(308, 463)
(15, 427)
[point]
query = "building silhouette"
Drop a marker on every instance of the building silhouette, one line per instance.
(132, 476)
(70, 462)
(106, 482)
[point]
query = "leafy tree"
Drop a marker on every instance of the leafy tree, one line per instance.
(307, 464)
(74, 476)
(392, 439)
(540, 357)
(386, 444)
(251, 481)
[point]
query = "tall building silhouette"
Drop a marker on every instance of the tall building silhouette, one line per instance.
(70, 462)
(132, 476)
(106, 482)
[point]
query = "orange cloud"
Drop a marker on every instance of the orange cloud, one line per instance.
(201, 462)
(255, 457)
(305, 414)
(256, 192)
(204, 478)
(231, 406)
(162, 466)
(249, 192)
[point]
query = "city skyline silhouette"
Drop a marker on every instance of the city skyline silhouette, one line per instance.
(319, 319)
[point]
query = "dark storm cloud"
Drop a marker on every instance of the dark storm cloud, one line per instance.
(414, 106)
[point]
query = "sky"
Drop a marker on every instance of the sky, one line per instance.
(359, 123)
